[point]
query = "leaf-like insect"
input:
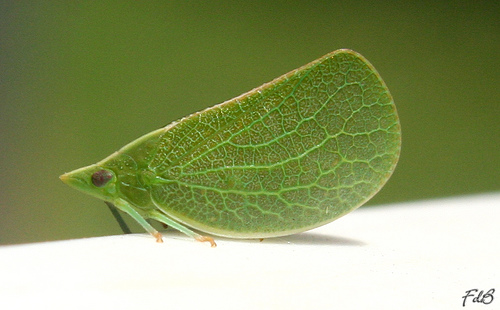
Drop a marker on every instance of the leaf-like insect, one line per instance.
(294, 154)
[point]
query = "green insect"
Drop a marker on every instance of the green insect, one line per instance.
(286, 157)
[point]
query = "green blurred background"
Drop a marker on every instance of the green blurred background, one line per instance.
(81, 79)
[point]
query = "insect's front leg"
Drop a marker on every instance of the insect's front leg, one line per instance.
(118, 217)
(127, 208)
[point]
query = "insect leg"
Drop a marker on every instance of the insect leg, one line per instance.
(118, 218)
(125, 207)
(163, 219)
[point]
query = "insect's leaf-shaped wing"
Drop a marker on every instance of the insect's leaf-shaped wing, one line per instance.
(291, 155)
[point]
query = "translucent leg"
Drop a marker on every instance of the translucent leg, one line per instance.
(125, 207)
(118, 217)
(160, 217)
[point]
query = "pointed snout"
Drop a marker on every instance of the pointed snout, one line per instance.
(64, 177)
(76, 178)
(70, 179)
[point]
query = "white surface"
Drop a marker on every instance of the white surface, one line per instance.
(421, 255)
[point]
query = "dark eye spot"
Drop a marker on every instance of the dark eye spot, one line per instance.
(101, 177)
